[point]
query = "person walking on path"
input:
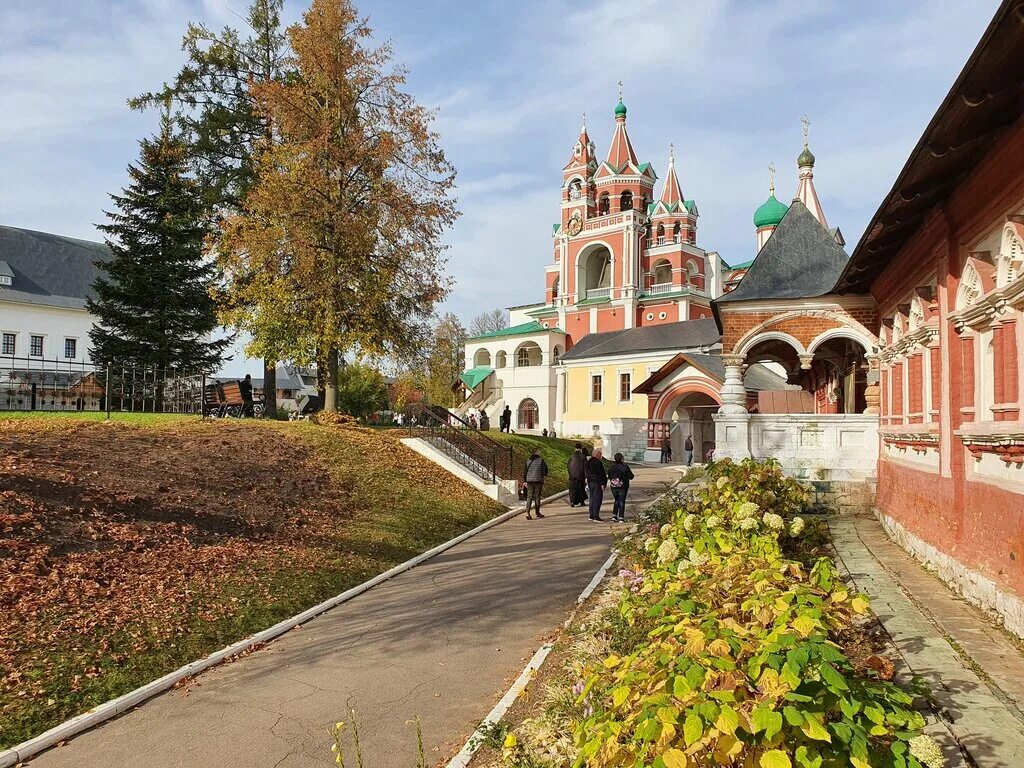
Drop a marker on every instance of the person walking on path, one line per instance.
(577, 467)
(619, 475)
(485, 421)
(688, 450)
(506, 419)
(536, 471)
(597, 479)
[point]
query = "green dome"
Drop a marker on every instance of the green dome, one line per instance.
(805, 158)
(620, 109)
(770, 212)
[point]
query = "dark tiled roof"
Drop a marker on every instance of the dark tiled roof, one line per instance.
(800, 260)
(688, 334)
(49, 269)
(757, 378)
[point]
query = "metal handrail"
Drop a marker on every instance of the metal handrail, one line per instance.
(466, 445)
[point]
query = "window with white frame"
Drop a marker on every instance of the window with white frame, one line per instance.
(35, 346)
(625, 387)
(596, 388)
(9, 344)
(70, 348)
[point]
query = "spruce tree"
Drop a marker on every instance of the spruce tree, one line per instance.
(153, 302)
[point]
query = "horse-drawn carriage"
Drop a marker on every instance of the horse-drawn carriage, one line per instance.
(224, 400)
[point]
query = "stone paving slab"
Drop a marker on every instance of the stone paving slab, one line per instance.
(944, 641)
(441, 642)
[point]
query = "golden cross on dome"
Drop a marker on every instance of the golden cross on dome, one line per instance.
(620, 90)
(805, 121)
(584, 121)
(771, 178)
(671, 152)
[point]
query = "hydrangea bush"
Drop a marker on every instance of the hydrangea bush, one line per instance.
(737, 667)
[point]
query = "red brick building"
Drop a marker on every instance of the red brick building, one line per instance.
(931, 300)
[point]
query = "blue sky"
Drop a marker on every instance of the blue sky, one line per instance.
(725, 80)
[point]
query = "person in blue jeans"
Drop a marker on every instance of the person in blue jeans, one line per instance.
(597, 479)
(619, 475)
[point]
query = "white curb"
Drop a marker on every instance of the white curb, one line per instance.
(114, 707)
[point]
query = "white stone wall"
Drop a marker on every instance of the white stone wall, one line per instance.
(813, 446)
(54, 324)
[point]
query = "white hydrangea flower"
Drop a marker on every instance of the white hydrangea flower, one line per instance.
(696, 558)
(666, 529)
(689, 522)
(713, 521)
(773, 521)
(682, 567)
(651, 544)
(927, 751)
(796, 527)
(668, 552)
(749, 523)
(746, 509)
(722, 482)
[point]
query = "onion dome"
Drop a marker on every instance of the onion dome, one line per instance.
(770, 212)
(620, 109)
(806, 159)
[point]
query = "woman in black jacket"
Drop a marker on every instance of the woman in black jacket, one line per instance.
(619, 475)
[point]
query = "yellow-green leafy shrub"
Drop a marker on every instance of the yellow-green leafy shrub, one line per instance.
(737, 667)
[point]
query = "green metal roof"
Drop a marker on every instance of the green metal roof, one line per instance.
(547, 309)
(744, 265)
(770, 212)
(595, 300)
(516, 330)
(474, 377)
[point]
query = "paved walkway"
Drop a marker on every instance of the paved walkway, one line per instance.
(973, 668)
(442, 642)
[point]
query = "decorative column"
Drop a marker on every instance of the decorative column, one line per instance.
(873, 392)
(732, 422)
(559, 400)
(806, 360)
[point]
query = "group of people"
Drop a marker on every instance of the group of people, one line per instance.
(666, 451)
(588, 480)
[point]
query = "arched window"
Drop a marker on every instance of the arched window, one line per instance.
(626, 201)
(661, 234)
(529, 414)
(554, 289)
(481, 358)
(500, 359)
(575, 189)
(595, 273)
(662, 273)
(556, 355)
(691, 271)
(676, 236)
(528, 355)
(603, 205)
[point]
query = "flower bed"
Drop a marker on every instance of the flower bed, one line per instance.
(723, 645)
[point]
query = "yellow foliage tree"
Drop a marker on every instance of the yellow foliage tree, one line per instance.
(338, 246)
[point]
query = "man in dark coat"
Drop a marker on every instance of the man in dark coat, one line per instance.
(597, 479)
(577, 466)
(536, 471)
(688, 450)
(506, 419)
(245, 389)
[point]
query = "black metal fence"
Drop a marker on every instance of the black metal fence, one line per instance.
(42, 384)
(466, 445)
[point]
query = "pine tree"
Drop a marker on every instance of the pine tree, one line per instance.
(219, 118)
(153, 302)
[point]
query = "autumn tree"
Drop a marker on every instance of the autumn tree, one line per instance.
(153, 303)
(362, 390)
(442, 361)
(488, 322)
(355, 190)
(223, 127)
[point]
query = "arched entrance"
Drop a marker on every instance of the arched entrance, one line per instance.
(692, 417)
(687, 410)
(528, 414)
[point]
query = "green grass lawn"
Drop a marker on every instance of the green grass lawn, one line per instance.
(385, 504)
(555, 451)
(78, 417)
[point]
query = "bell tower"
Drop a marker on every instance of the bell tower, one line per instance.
(578, 183)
